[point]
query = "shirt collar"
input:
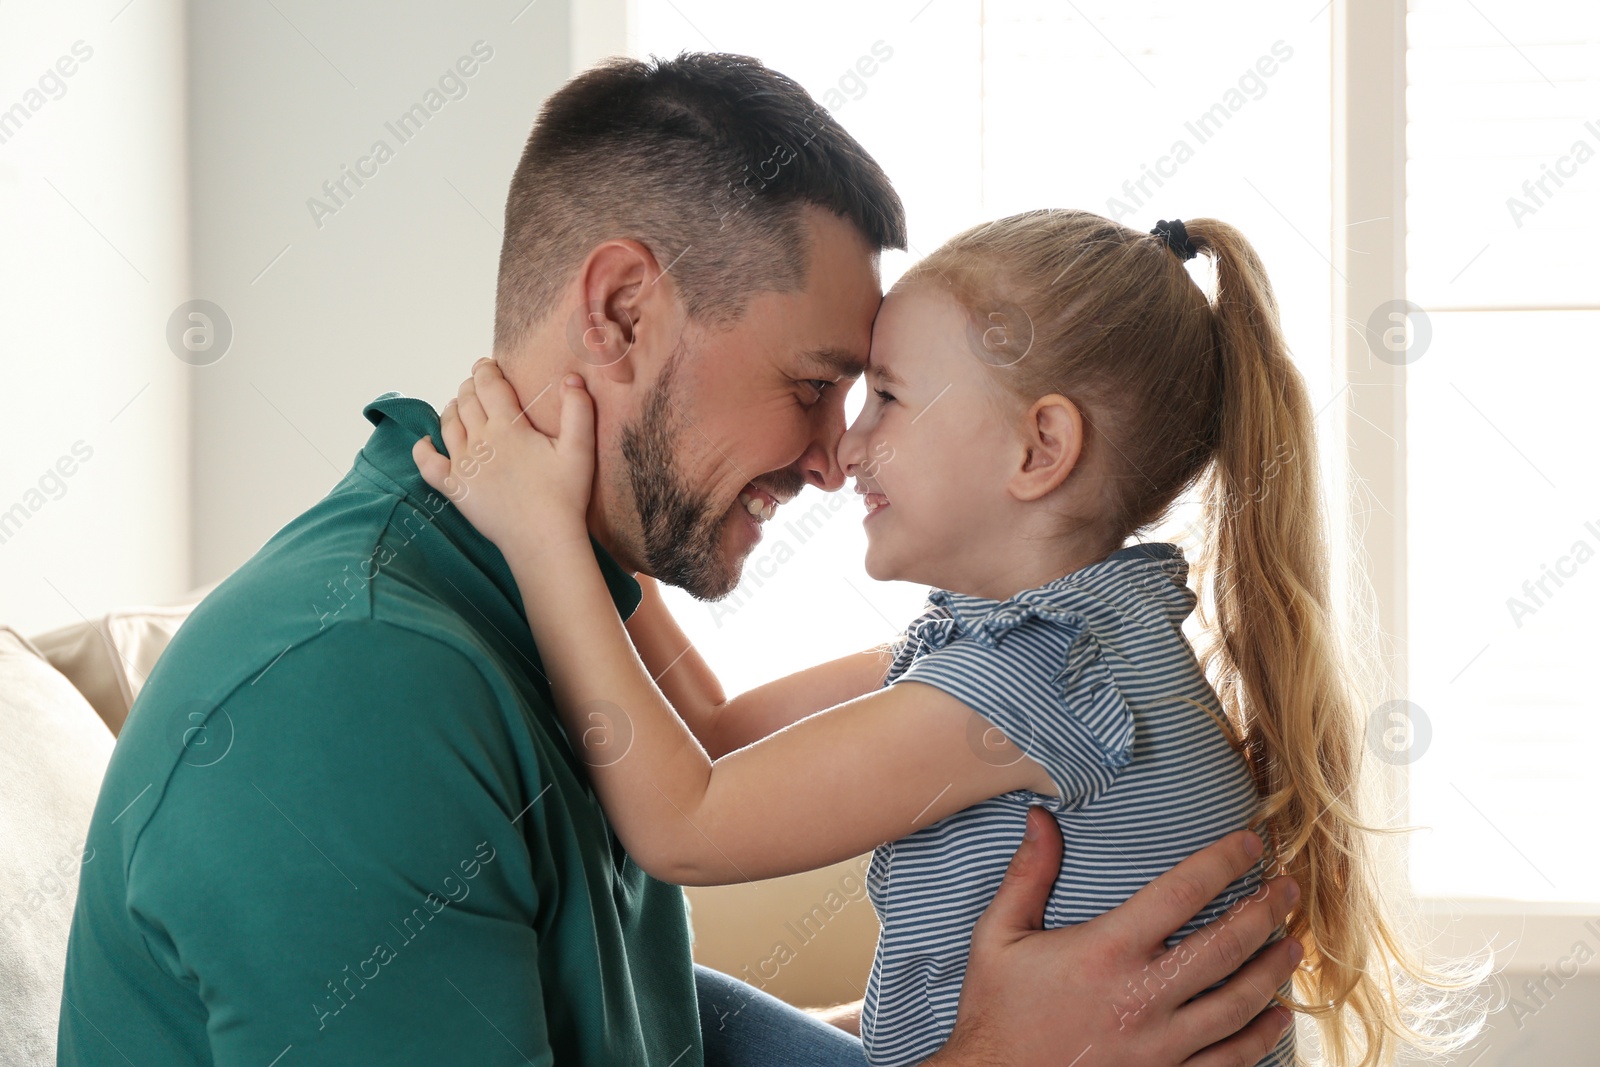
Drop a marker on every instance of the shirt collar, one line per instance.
(976, 615)
(400, 421)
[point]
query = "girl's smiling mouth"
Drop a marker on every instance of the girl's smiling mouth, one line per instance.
(875, 502)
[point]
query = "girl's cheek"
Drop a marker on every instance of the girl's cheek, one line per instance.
(882, 452)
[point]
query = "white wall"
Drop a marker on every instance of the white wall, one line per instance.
(93, 260)
(392, 290)
(193, 463)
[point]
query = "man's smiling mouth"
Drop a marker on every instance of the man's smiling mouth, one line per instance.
(758, 502)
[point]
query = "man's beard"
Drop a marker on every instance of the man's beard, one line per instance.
(681, 528)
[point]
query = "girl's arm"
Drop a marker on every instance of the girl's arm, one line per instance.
(821, 790)
(720, 724)
(846, 1017)
(828, 787)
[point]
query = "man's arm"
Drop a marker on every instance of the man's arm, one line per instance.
(720, 724)
(1036, 996)
(347, 878)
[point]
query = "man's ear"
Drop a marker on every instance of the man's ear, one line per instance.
(1052, 441)
(620, 302)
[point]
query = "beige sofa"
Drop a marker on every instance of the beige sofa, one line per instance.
(64, 696)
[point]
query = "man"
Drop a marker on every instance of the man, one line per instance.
(343, 825)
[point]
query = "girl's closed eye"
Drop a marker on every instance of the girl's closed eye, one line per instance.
(883, 396)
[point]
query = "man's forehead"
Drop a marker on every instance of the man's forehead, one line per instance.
(839, 362)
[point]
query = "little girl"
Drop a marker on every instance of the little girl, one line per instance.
(1043, 388)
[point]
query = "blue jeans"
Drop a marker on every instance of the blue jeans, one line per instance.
(744, 1027)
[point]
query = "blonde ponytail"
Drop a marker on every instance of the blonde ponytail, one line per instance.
(1276, 657)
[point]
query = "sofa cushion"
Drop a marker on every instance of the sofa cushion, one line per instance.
(53, 753)
(107, 659)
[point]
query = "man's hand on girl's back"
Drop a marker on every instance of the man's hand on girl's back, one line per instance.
(1108, 990)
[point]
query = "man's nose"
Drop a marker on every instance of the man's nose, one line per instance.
(821, 466)
(821, 463)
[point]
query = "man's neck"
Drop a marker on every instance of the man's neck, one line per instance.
(535, 371)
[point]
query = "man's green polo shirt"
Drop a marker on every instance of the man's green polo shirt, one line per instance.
(343, 825)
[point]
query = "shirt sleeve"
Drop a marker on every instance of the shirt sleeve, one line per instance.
(336, 870)
(1041, 679)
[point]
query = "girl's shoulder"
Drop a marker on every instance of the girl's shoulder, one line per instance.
(1139, 584)
(1120, 616)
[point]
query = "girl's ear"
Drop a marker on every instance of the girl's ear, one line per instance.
(1052, 441)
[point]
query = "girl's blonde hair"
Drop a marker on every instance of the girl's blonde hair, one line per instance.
(1179, 392)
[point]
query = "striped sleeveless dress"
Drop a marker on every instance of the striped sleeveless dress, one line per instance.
(1092, 677)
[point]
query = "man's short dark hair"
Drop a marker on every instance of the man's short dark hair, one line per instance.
(707, 159)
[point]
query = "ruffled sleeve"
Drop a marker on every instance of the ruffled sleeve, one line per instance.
(1039, 674)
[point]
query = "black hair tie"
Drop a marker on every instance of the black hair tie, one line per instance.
(1177, 238)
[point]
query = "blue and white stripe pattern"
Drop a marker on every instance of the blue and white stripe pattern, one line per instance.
(1092, 677)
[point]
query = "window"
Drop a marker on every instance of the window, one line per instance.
(1161, 109)
(1503, 138)
(978, 110)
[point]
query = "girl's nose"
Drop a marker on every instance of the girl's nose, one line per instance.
(852, 448)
